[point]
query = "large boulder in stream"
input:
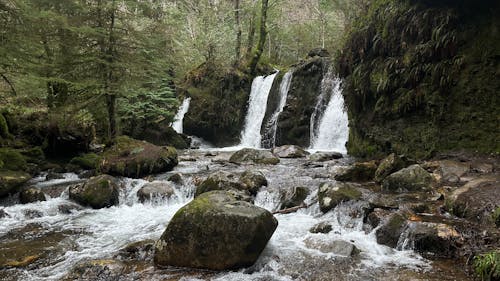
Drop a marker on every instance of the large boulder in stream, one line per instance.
(215, 231)
(389, 165)
(253, 181)
(11, 180)
(332, 194)
(358, 172)
(220, 180)
(132, 158)
(31, 195)
(290, 151)
(250, 155)
(155, 190)
(413, 178)
(325, 156)
(98, 192)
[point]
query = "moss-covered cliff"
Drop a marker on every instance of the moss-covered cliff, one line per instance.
(423, 77)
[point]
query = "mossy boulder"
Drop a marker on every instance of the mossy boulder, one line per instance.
(476, 200)
(215, 231)
(220, 180)
(290, 151)
(325, 156)
(392, 227)
(11, 180)
(253, 181)
(332, 194)
(250, 155)
(31, 195)
(13, 159)
(413, 178)
(155, 190)
(89, 161)
(132, 158)
(358, 172)
(433, 240)
(294, 197)
(98, 192)
(389, 165)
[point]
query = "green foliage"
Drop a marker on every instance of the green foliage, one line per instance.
(12, 159)
(88, 161)
(487, 266)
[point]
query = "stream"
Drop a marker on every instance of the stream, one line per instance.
(60, 234)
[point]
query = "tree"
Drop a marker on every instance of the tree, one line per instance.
(257, 53)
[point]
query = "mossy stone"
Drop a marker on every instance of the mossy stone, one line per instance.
(98, 192)
(332, 194)
(13, 159)
(11, 180)
(89, 161)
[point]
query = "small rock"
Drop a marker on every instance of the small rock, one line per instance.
(433, 239)
(152, 190)
(325, 156)
(289, 151)
(220, 180)
(68, 208)
(253, 181)
(447, 167)
(3, 214)
(377, 216)
(176, 178)
(139, 251)
(31, 195)
(322, 227)
(295, 197)
(332, 194)
(388, 234)
(337, 247)
(32, 214)
(361, 171)
(98, 192)
(250, 155)
(10, 181)
(413, 178)
(96, 270)
(389, 165)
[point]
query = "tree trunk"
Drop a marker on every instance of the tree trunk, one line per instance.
(111, 105)
(238, 31)
(262, 38)
(110, 93)
(251, 35)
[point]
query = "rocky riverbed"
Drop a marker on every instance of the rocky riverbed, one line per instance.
(372, 232)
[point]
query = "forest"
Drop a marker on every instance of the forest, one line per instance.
(249, 140)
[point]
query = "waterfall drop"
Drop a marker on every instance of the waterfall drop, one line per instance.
(257, 104)
(272, 125)
(179, 117)
(332, 132)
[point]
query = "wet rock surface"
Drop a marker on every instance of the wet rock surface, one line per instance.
(413, 178)
(155, 190)
(289, 151)
(249, 155)
(361, 171)
(98, 192)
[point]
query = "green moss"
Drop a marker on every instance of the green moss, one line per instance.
(13, 159)
(487, 266)
(1, 164)
(4, 129)
(88, 161)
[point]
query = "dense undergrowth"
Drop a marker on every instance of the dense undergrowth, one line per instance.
(418, 78)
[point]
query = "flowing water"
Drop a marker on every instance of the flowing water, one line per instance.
(272, 125)
(63, 239)
(333, 131)
(257, 104)
(179, 117)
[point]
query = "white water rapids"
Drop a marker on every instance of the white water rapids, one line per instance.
(99, 234)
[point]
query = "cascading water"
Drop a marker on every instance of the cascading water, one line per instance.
(272, 125)
(257, 104)
(179, 117)
(332, 132)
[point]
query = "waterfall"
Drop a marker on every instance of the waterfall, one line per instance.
(333, 131)
(261, 86)
(272, 125)
(179, 117)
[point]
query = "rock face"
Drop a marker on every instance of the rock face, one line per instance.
(330, 195)
(215, 231)
(152, 190)
(249, 155)
(325, 156)
(31, 195)
(253, 181)
(133, 158)
(413, 178)
(389, 165)
(98, 192)
(361, 171)
(476, 200)
(11, 180)
(289, 151)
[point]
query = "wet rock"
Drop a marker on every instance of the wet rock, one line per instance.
(332, 194)
(89, 161)
(294, 197)
(361, 171)
(109, 270)
(98, 192)
(155, 190)
(175, 178)
(32, 214)
(377, 216)
(388, 234)
(476, 200)
(220, 180)
(3, 214)
(337, 247)
(253, 181)
(450, 179)
(215, 231)
(11, 180)
(448, 167)
(31, 195)
(325, 156)
(413, 178)
(322, 227)
(139, 251)
(133, 158)
(432, 239)
(249, 155)
(289, 151)
(389, 165)
(68, 208)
